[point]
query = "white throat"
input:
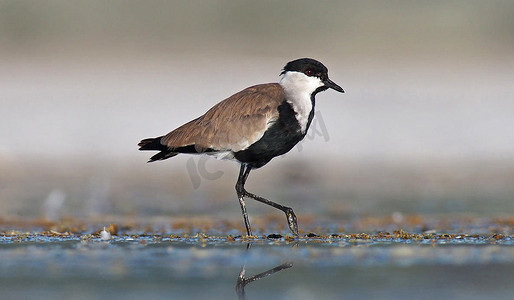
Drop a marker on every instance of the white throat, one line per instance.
(298, 88)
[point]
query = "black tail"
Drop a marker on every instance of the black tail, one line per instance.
(152, 144)
(155, 145)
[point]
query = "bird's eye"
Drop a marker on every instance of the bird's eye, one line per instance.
(309, 73)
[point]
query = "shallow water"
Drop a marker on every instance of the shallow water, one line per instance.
(338, 266)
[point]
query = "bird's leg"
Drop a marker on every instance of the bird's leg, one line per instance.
(291, 217)
(243, 174)
(241, 192)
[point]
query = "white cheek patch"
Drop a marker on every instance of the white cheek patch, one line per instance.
(298, 88)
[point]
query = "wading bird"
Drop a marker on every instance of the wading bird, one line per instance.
(253, 126)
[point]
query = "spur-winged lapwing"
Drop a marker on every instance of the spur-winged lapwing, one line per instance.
(253, 126)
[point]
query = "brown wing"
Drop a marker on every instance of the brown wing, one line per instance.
(233, 124)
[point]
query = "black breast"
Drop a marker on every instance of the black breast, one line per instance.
(281, 137)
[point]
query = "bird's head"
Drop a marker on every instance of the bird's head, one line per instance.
(308, 75)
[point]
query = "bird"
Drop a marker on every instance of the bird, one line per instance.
(252, 127)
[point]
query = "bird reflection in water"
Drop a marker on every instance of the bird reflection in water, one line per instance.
(242, 280)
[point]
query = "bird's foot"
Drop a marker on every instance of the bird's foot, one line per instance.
(291, 221)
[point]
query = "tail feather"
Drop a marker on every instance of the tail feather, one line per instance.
(152, 144)
(162, 155)
(155, 144)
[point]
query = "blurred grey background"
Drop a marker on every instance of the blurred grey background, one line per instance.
(425, 126)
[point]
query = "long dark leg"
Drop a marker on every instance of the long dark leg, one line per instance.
(241, 193)
(243, 174)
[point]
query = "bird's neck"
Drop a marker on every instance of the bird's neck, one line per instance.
(299, 92)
